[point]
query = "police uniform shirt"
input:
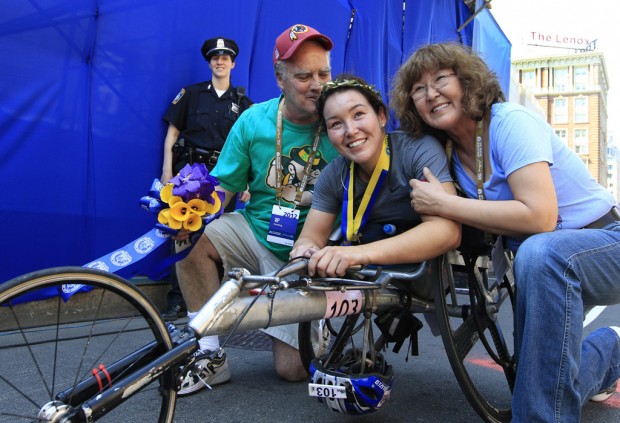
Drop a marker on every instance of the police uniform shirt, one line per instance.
(203, 118)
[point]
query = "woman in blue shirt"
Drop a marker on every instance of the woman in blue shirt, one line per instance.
(540, 196)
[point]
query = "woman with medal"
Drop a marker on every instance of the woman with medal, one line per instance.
(545, 205)
(367, 187)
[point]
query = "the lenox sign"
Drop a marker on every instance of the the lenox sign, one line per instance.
(560, 41)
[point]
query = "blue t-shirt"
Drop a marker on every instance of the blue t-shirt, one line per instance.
(519, 137)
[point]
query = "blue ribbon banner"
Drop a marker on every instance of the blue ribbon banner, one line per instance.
(134, 259)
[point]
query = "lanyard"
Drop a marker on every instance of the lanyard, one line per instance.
(480, 159)
(482, 133)
(309, 162)
(351, 225)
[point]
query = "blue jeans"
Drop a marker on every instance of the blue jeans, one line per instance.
(557, 274)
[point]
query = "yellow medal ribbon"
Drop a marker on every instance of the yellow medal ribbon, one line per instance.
(351, 225)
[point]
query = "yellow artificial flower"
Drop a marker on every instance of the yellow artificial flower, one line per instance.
(166, 193)
(180, 211)
(165, 218)
(173, 200)
(167, 197)
(193, 222)
(174, 224)
(198, 206)
(215, 207)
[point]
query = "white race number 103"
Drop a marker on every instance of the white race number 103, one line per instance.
(343, 303)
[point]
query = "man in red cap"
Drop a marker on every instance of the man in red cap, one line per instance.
(263, 144)
(199, 120)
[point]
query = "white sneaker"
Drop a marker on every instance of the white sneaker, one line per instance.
(324, 336)
(208, 368)
(605, 394)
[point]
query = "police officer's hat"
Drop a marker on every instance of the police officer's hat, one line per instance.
(219, 45)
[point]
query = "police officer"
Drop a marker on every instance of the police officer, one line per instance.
(199, 120)
(201, 115)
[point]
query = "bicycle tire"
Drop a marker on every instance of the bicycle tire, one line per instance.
(101, 327)
(489, 392)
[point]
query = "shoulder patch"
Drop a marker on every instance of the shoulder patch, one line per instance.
(179, 96)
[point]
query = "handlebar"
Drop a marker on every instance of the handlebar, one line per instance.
(368, 277)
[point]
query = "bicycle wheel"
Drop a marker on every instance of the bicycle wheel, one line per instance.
(472, 331)
(56, 355)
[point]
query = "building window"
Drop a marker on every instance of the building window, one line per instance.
(560, 110)
(561, 133)
(581, 109)
(560, 79)
(528, 78)
(581, 141)
(580, 78)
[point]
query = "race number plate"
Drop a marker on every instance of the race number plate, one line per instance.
(326, 391)
(342, 303)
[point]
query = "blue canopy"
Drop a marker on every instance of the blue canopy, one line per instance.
(85, 84)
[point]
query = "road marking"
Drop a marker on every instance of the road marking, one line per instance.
(613, 401)
(593, 314)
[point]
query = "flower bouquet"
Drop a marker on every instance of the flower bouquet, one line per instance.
(187, 202)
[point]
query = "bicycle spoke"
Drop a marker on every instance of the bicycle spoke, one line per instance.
(112, 326)
(475, 345)
(30, 351)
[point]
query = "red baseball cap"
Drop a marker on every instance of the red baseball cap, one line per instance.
(295, 36)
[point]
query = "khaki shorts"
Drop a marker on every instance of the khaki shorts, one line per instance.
(237, 246)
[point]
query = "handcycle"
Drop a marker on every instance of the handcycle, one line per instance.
(88, 364)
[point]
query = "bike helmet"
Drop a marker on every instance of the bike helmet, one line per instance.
(366, 392)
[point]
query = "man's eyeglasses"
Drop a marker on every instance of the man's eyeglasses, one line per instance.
(419, 91)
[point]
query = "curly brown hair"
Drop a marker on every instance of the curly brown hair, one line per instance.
(480, 85)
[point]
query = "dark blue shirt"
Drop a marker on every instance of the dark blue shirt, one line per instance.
(203, 118)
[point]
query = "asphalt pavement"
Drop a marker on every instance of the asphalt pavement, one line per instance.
(425, 389)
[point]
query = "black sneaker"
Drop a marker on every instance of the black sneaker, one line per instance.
(174, 312)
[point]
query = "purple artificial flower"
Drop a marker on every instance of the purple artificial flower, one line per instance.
(194, 182)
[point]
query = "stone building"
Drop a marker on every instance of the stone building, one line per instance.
(571, 91)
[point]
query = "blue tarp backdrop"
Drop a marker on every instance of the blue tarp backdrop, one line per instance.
(85, 83)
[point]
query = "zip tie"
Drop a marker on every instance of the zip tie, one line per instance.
(96, 374)
(107, 375)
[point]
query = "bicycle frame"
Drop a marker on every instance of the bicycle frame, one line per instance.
(223, 312)
(427, 288)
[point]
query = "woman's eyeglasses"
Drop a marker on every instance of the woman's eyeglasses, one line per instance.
(419, 91)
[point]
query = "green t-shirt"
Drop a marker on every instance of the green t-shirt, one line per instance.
(248, 158)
